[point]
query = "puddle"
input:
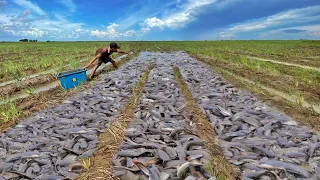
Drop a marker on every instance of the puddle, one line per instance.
(52, 85)
(284, 63)
(286, 96)
(37, 74)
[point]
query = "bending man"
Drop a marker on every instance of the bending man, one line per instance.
(103, 56)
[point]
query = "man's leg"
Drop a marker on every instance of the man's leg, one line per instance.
(93, 71)
(99, 62)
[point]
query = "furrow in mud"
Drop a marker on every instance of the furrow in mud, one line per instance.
(161, 142)
(261, 141)
(50, 144)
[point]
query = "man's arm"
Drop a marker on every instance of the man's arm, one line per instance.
(120, 51)
(92, 60)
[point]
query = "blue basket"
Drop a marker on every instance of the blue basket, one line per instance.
(72, 78)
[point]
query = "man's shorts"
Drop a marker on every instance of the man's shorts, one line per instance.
(100, 61)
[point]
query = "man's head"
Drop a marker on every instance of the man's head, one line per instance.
(114, 46)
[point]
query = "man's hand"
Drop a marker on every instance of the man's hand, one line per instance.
(87, 66)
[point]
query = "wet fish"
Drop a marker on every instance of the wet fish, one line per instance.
(50, 177)
(171, 152)
(18, 156)
(181, 151)
(163, 155)
(141, 167)
(181, 169)
(164, 176)
(274, 164)
(154, 173)
(265, 151)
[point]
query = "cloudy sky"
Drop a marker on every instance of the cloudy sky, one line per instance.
(70, 20)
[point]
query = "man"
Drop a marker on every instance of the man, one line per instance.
(103, 56)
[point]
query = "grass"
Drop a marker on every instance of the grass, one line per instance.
(86, 163)
(30, 90)
(8, 112)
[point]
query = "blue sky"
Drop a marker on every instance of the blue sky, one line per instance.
(74, 20)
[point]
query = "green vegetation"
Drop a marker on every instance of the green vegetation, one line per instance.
(8, 112)
(30, 90)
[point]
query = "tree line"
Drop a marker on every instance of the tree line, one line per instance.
(29, 40)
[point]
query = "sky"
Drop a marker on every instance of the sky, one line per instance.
(136, 20)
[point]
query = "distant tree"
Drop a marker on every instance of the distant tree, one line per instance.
(23, 40)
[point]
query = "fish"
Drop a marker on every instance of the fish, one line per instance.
(18, 156)
(49, 177)
(182, 169)
(170, 151)
(312, 148)
(131, 175)
(254, 174)
(194, 157)
(192, 143)
(164, 176)
(69, 159)
(181, 151)
(274, 164)
(163, 155)
(251, 121)
(265, 151)
(154, 173)
(204, 153)
(141, 167)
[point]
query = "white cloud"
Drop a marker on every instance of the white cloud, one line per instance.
(23, 25)
(303, 15)
(111, 32)
(69, 4)
(182, 16)
(154, 22)
(34, 32)
(129, 33)
(272, 27)
(224, 36)
(28, 4)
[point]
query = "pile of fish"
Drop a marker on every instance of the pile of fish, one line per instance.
(160, 143)
(262, 142)
(50, 144)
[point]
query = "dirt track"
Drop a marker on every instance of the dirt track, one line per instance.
(254, 138)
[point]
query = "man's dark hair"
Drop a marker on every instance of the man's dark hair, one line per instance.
(114, 45)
